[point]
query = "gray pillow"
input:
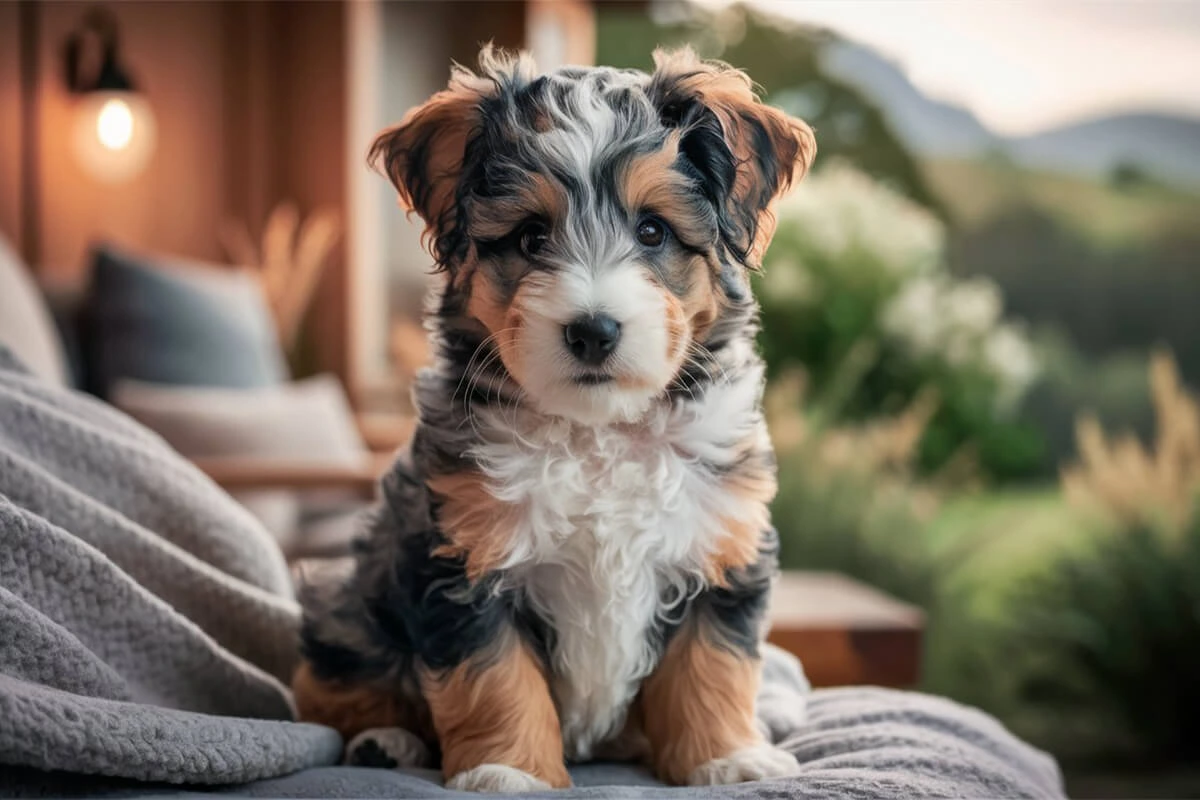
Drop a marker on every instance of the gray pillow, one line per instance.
(177, 322)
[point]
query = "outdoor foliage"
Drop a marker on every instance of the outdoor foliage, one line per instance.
(847, 499)
(1111, 637)
(1111, 388)
(1134, 483)
(856, 291)
(1111, 631)
(1105, 296)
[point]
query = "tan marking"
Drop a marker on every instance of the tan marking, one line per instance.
(650, 177)
(762, 235)
(478, 526)
(689, 318)
(497, 711)
(542, 121)
(351, 709)
(699, 704)
(678, 330)
(484, 304)
(539, 197)
(504, 324)
(754, 488)
(702, 302)
(651, 184)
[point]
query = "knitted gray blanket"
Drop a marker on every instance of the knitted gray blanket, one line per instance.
(147, 623)
(147, 632)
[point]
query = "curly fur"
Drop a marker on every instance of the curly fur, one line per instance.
(573, 559)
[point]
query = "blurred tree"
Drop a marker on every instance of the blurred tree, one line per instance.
(1128, 176)
(1106, 298)
(785, 59)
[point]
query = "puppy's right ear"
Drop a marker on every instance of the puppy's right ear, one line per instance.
(423, 155)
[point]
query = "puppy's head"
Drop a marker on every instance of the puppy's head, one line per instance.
(597, 225)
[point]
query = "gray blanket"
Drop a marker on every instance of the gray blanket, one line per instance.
(147, 631)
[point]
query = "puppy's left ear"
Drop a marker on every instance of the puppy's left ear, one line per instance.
(748, 153)
(423, 155)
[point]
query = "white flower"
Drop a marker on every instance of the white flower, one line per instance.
(787, 280)
(1008, 355)
(840, 208)
(913, 315)
(847, 231)
(972, 308)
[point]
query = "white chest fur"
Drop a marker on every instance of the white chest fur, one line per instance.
(612, 521)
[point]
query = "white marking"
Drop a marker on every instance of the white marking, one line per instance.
(625, 293)
(610, 519)
(749, 764)
(497, 779)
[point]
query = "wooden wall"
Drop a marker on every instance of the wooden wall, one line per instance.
(249, 99)
(10, 123)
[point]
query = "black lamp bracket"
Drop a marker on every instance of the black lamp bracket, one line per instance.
(99, 27)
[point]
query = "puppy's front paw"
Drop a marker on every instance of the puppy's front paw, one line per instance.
(392, 748)
(496, 778)
(748, 764)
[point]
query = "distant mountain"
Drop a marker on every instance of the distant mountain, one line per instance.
(1163, 145)
(929, 127)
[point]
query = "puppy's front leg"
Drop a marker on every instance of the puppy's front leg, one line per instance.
(699, 710)
(496, 722)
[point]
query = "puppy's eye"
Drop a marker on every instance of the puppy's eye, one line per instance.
(533, 238)
(651, 232)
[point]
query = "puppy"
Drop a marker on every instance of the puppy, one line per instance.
(573, 559)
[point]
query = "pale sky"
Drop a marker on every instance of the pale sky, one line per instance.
(1026, 65)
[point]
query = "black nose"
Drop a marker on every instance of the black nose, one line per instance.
(590, 339)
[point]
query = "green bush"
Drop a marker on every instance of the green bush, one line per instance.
(856, 268)
(1111, 644)
(1112, 388)
(851, 522)
(1106, 297)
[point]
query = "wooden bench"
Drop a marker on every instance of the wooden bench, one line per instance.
(845, 632)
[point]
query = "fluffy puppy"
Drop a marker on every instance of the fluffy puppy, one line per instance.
(573, 559)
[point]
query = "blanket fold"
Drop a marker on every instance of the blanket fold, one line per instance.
(144, 616)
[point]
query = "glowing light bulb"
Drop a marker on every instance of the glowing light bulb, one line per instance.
(114, 135)
(114, 124)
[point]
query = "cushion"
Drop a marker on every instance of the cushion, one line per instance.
(308, 421)
(26, 325)
(174, 321)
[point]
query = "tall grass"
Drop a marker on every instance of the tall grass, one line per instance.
(1109, 634)
(1134, 483)
(847, 500)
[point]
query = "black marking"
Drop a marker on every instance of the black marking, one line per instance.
(369, 754)
(732, 615)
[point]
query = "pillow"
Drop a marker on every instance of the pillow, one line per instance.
(308, 421)
(25, 322)
(177, 322)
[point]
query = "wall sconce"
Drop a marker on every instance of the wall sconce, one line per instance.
(114, 130)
